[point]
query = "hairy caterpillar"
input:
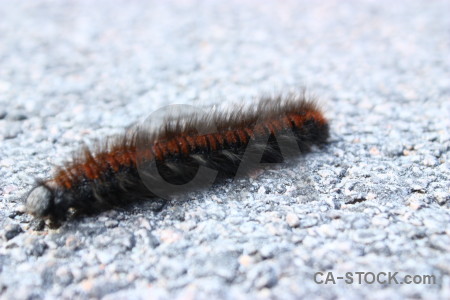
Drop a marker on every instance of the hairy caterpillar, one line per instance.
(123, 170)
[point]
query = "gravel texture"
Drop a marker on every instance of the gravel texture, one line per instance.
(376, 199)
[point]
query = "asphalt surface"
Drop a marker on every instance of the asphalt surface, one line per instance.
(376, 199)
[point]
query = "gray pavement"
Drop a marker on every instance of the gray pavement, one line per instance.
(375, 200)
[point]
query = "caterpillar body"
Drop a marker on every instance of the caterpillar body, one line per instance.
(118, 172)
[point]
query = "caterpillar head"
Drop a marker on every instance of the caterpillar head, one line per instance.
(45, 202)
(40, 201)
(50, 202)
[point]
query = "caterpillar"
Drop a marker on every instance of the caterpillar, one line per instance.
(145, 162)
